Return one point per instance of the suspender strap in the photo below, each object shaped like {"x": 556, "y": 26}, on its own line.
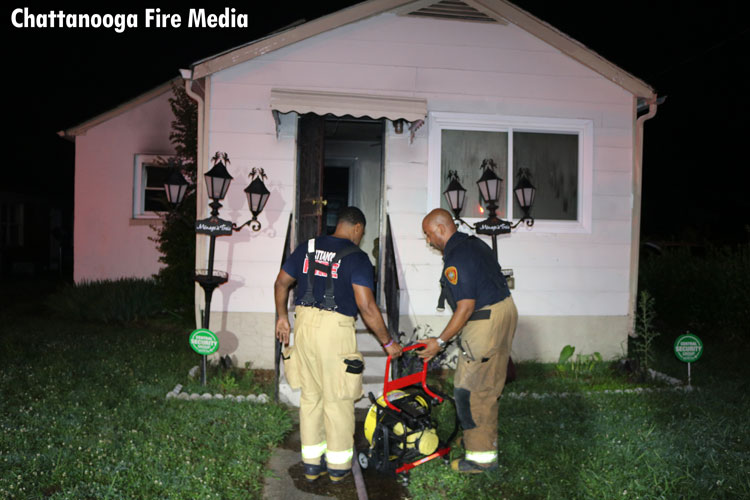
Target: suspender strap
{"x": 446, "y": 295}
{"x": 441, "y": 299}
{"x": 329, "y": 300}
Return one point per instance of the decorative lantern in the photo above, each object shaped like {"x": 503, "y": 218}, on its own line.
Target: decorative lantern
{"x": 175, "y": 187}
{"x": 455, "y": 194}
{"x": 257, "y": 193}
{"x": 525, "y": 192}
{"x": 489, "y": 184}
{"x": 218, "y": 178}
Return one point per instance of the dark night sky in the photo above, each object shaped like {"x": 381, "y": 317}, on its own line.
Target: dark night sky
{"x": 693, "y": 53}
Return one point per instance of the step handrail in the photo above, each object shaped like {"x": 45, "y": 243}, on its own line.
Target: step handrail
{"x": 391, "y": 288}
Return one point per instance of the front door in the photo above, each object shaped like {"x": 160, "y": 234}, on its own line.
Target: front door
{"x": 340, "y": 164}
{"x": 311, "y": 154}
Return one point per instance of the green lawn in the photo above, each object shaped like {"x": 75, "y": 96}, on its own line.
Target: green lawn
{"x": 660, "y": 443}
{"x": 83, "y": 414}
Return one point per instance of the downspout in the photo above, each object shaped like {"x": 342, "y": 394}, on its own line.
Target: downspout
{"x": 187, "y": 75}
{"x": 637, "y": 195}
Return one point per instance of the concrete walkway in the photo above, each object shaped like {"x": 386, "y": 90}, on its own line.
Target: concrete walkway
{"x": 286, "y": 480}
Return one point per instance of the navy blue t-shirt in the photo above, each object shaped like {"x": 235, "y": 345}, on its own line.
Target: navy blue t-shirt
{"x": 355, "y": 269}
{"x": 471, "y": 271}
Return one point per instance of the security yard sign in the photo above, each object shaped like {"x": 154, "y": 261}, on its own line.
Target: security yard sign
{"x": 688, "y": 348}
{"x": 204, "y": 341}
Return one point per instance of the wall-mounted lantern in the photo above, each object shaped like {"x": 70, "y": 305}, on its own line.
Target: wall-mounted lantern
{"x": 490, "y": 185}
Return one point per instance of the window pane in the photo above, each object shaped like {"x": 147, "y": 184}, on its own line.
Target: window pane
{"x": 155, "y": 200}
{"x": 464, "y": 151}
{"x": 156, "y": 176}
{"x": 552, "y": 160}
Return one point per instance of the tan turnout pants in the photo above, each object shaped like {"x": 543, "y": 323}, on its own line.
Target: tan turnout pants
{"x": 323, "y": 341}
{"x": 480, "y": 378}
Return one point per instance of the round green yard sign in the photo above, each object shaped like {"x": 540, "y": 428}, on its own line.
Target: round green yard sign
{"x": 204, "y": 341}
{"x": 688, "y": 348}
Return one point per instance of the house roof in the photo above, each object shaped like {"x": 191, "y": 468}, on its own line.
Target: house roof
{"x": 82, "y": 128}
{"x": 500, "y": 11}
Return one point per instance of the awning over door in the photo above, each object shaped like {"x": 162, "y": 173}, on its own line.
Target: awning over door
{"x": 338, "y": 103}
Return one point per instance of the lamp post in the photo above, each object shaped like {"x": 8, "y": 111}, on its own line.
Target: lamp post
{"x": 217, "y": 184}
{"x": 489, "y": 185}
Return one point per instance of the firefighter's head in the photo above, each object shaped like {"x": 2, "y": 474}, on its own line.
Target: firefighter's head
{"x": 351, "y": 224}
{"x": 438, "y": 227}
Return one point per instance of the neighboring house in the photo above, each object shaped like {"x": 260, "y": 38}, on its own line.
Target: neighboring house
{"x": 32, "y": 236}
{"x": 119, "y": 187}
{"x": 488, "y": 80}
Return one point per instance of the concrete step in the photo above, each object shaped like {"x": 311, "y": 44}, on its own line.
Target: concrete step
{"x": 375, "y": 362}
{"x": 367, "y": 341}
{"x": 370, "y": 384}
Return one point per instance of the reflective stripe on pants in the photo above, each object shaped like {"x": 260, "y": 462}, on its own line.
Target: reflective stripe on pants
{"x": 481, "y": 457}
{"x": 313, "y": 452}
{"x": 340, "y": 459}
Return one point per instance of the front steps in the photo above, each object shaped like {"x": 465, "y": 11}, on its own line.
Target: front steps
{"x": 374, "y": 357}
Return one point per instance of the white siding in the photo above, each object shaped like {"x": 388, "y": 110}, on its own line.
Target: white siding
{"x": 457, "y": 67}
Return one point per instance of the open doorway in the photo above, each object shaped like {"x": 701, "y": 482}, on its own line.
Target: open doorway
{"x": 341, "y": 164}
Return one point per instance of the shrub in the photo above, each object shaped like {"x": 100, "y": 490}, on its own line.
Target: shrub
{"x": 108, "y": 301}
{"x": 642, "y": 347}
{"x": 175, "y": 237}
{"x": 582, "y": 365}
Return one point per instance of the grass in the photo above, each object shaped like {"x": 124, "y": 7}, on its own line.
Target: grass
{"x": 595, "y": 444}
{"x": 83, "y": 414}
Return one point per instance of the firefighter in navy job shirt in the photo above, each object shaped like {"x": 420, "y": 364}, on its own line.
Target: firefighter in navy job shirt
{"x": 324, "y": 360}
{"x": 485, "y": 316}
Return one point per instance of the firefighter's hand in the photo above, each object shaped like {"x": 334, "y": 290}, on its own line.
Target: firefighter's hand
{"x": 283, "y": 328}
{"x": 430, "y": 350}
{"x": 394, "y": 350}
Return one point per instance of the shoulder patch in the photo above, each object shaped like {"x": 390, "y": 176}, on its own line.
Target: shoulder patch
{"x": 451, "y": 274}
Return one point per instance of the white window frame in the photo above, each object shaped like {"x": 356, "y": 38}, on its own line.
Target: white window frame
{"x": 439, "y": 121}
{"x": 139, "y": 184}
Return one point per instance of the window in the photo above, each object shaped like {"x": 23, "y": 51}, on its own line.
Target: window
{"x": 11, "y": 224}
{"x": 557, "y": 153}
{"x": 149, "y": 197}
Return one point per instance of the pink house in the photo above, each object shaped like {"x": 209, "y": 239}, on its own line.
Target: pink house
{"x": 119, "y": 186}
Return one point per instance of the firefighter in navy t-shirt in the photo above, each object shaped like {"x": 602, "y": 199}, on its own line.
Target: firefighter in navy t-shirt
{"x": 485, "y": 316}
{"x": 334, "y": 279}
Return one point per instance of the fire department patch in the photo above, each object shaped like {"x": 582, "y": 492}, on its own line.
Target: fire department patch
{"x": 452, "y": 275}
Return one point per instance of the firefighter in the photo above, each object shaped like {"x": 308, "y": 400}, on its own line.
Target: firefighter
{"x": 334, "y": 279}
{"x": 485, "y": 317}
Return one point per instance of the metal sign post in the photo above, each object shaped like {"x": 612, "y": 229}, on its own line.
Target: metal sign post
{"x": 688, "y": 348}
